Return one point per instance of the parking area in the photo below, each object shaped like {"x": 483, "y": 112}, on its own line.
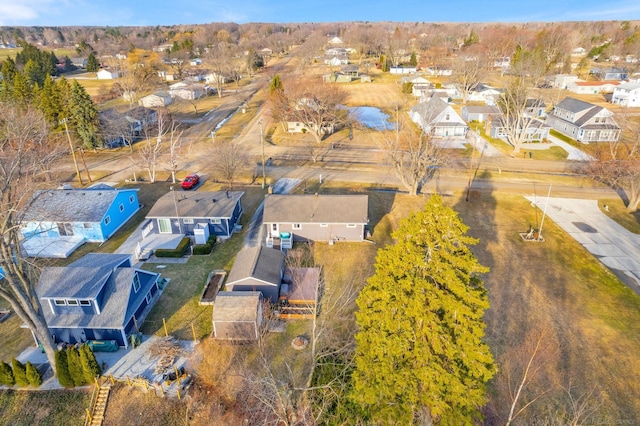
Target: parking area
{"x": 617, "y": 248}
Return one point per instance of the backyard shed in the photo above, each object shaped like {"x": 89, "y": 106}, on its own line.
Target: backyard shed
{"x": 237, "y": 315}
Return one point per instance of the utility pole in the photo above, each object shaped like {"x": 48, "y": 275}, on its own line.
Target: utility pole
{"x": 264, "y": 175}
{"x": 73, "y": 153}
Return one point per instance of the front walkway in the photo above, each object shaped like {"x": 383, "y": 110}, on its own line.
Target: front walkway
{"x": 574, "y": 153}
{"x": 617, "y": 248}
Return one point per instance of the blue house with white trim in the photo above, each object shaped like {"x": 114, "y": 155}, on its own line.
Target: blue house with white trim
{"x": 98, "y": 297}
{"x": 57, "y": 221}
{"x": 187, "y": 212}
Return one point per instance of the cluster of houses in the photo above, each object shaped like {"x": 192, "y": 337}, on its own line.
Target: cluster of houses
{"x": 577, "y": 119}
{"x": 106, "y": 296}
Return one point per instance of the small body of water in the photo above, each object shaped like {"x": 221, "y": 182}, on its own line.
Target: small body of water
{"x": 372, "y": 117}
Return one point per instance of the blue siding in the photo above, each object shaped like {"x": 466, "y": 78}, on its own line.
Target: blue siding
{"x": 118, "y": 218}
{"x": 80, "y": 335}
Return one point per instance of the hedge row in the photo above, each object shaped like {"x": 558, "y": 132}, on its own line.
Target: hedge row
{"x": 205, "y": 248}
{"x": 76, "y": 367}
{"x": 177, "y": 252}
{"x": 19, "y": 374}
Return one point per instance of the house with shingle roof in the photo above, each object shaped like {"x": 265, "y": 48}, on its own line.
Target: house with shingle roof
{"x": 186, "y": 212}
{"x": 479, "y": 113}
{"x": 56, "y": 221}
{"x": 583, "y": 121}
{"x": 257, "y": 269}
{"x": 319, "y": 217}
{"x": 593, "y": 87}
{"x": 98, "y": 297}
{"x": 438, "y": 119}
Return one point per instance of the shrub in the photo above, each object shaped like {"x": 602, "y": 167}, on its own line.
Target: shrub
{"x": 62, "y": 369}
{"x": 177, "y": 252}
{"x": 19, "y": 373}
{"x": 90, "y": 366}
{"x": 33, "y": 375}
{"x": 6, "y": 374}
{"x": 75, "y": 367}
{"x": 205, "y": 248}
{"x": 407, "y": 87}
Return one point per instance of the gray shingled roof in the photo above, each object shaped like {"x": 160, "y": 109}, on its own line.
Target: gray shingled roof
{"x": 196, "y": 204}
{"x": 70, "y": 205}
{"x": 236, "y": 306}
{"x": 483, "y": 109}
{"x": 316, "y": 208}
{"x": 575, "y": 105}
{"x": 80, "y": 280}
{"x": 262, "y": 263}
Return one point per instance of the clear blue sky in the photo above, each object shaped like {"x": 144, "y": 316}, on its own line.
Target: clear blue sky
{"x": 165, "y": 12}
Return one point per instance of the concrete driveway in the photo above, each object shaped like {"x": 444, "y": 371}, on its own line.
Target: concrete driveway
{"x": 617, "y": 248}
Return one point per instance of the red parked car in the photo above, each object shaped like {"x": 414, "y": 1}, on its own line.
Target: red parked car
{"x": 190, "y": 181}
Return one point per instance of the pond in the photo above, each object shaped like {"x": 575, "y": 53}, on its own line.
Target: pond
{"x": 371, "y": 117}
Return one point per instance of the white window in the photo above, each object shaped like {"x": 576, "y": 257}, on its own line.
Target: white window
{"x": 147, "y": 298}
{"x": 72, "y": 302}
{"x": 215, "y": 221}
{"x": 59, "y": 302}
{"x": 107, "y": 220}
{"x": 324, "y": 225}
{"x": 131, "y": 199}
{"x": 136, "y": 283}
{"x": 85, "y": 303}
{"x": 297, "y": 226}
{"x": 164, "y": 226}
{"x": 121, "y": 207}
{"x": 187, "y": 220}
{"x": 351, "y": 225}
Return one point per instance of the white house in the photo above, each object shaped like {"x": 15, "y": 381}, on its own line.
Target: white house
{"x": 335, "y": 40}
{"x": 158, "y": 99}
{"x": 583, "y": 121}
{"x": 439, "y": 70}
{"x": 188, "y": 91}
{"x": 592, "y": 87}
{"x": 627, "y": 94}
{"x": 107, "y": 75}
{"x": 438, "y": 118}
{"x": 419, "y": 84}
{"x": 578, "y": 51}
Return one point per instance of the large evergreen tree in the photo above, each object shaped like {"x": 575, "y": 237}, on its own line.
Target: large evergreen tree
{"x": 6, "y": 374}
{"x": 84, "y": 116}
{"x": 75, "y": 367}
{"x": 33, "y": 375}
{"x": 419, "y": 349}
{"x": 93, "y": 65}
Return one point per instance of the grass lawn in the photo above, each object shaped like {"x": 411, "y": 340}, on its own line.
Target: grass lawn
{"x": 178, "y": 304}
{"x": 554, "y": 153}
{"x": 60, "y": 407}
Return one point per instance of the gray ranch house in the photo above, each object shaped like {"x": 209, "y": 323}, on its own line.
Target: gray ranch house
{"x": 196, "y": 213}
{"x": 98, "y": 297}
{"x": 329, "y": 218}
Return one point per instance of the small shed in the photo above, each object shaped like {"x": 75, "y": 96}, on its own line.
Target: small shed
{"x": 237, "y": 315}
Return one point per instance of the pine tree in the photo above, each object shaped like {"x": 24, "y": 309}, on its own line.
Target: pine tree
{"x": 84, "y": 116}
{"x": 48, "y": 101}
{"x": 33, "y": 375}
{"x": 419, "y": 349}
{"x": 75, "y": 367}
{"x": 62, "y": 369}
{"x": 19, "y": 373}
{"x": 6, "y": 374}
{"x": 414, "y": 60}
{"x": 21, "y": 93}
{"x": 92, "y": 63}
{"x": 90, "y": 367}
{"x": 276, "y": 85}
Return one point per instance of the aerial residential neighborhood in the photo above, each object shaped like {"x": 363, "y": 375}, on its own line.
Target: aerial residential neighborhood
{"x": 358, "y": 222}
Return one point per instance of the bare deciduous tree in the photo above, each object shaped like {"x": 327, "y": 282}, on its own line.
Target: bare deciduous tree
{"x": 468, "y": 72}
{"x": 516, "y": 122}
{"x": 618, "y": 162}
{"x": 413, "y": 157}
{"x": 228, "y": 158}
{"x": 25, "y": 156}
